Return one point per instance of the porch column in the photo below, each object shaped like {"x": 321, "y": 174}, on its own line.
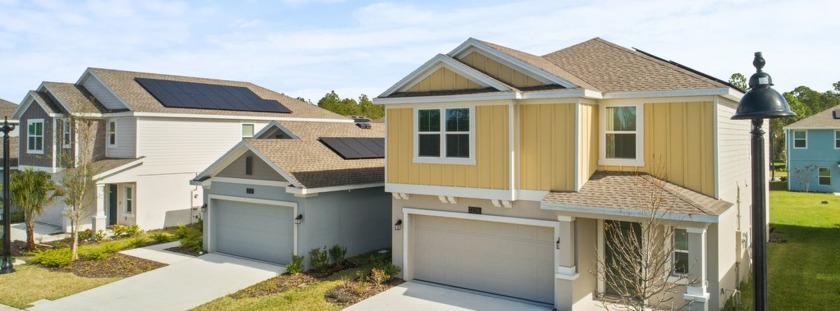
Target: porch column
{"x": 697, "y": 295}
{"x": 565, "y": 260}
{"x": 99, "y": 217}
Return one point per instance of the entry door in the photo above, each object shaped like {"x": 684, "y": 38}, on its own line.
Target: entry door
{"x": 112, "y": 204}
{"x": 619, "y": 273}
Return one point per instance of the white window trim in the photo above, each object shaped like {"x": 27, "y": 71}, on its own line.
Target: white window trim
{"x": 675, "y": 250}
{"x": 793, "y": 133}
{"x": 836, "y": 139}
{"x": 442, "y": 159}
{"x": 819, "y": 176}
{"x": 640, "y": 136}
{"x": 108, "y": 133}
{"x": 133, "y": 201}
{"x": 253, "y": 129}
{"x": 66, "y": 134}
{"x": 28, "y": 135}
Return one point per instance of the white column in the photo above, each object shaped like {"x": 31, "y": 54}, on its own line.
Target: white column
{"x": 564, "y": 258}
{"x": 697, "y": 293}
{"x": 99, "y": 218}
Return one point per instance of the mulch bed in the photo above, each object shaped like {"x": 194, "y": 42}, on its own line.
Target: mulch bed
{"x": 353, "y": 291}
{"x": 116, "y": 265}
{"x": 275, "y": 285}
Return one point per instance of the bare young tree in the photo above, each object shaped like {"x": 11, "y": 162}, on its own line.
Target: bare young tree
{"x": 804, "y": 174}
{"x": 76, "y": 184}
{"x": 639, "y": 268}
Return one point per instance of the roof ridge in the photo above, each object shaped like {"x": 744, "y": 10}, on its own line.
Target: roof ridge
{"x": 134, "y": 72}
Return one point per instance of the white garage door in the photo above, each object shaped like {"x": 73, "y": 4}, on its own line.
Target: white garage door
{"x": 500, "y": 258}
{"x": 262, "y": 232}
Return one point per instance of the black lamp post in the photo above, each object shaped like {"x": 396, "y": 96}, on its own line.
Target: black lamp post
{"x": 760, "y": 102}
{"x": 6, "y": 260}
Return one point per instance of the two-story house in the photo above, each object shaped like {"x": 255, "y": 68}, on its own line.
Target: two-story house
{"x": 150, "y": 134}
{"x": 505, "y": 167}
{"x": 813, "y": 152}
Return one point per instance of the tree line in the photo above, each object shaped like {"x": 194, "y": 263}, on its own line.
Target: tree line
{"x": 803, "y": 100}
{"x": 364, "y": 107}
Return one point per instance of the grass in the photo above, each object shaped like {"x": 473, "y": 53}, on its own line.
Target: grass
{"x": 30, "y": 283}
{"x": 803, "y": 272}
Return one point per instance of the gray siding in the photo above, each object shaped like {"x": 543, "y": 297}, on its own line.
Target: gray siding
{"x": 261, "y": 170}
{"x": 102, "y": 93}
{"x": 34, "y": 111}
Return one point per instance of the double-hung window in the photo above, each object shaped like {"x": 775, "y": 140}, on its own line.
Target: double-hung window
{"x": 622, "y": 142}
{"x": 247, "y": 130}
{"x": 445, "y": 135}
{"x": 800, "y": 139}
{"x": 35, "y": 136}
{"x": 112, "y": 133}
{"x": 680, "y": 251}
{"x": 836, "y": 139}
{"x": 825, "y": 176}
{"x": 66, "y": 130}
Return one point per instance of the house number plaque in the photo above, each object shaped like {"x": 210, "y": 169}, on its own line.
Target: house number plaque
{"x": 474, "y": 210}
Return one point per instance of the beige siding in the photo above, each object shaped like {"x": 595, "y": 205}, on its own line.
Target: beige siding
{"x": 588, "y": 142}
{"x": 490, "y": 170}
{"x": 547, "y": 144}
{"x": 261, "y": 170}
{"x": 443, "y": 79}
{"x": 679, "y": 144}
{"x": 499, "y": 71}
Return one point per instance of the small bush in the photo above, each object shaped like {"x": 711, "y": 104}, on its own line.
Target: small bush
{"x": 119, "y": 230}
{"x": 85, "y": 235}
{"x": 337, "y": 254}
{"x": 161, "y": 237}
{"x": 138, "y": 242}
{"x": 133, "y": 230}
{"x": 97, "y": 253}
{"x": 57, "y": 257}
{"x": 383, "y": 262}
{"x": 191, "y": 237}
{"x": 296, "y": 266}
{"x": 99, "y": 235}
{"x": 319, "y": 259}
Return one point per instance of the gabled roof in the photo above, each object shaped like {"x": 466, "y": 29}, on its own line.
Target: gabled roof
{"x": 445, "y": 61}
{"x": 823, "y": 119}
{"x": 123, "y": 84}
{"x": 626, "y": 193}
{"x": 613, "y": 68}
{"x": 13, "y": 152}
{"x": 274, "y": 125}
{"x": 7, "y": 108}
{"x": 73, "y": 98}
{"x": 306, "y": 162}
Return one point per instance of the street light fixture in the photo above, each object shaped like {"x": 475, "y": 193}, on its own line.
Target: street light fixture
{"x": 6, "y": 259}
{"x": 760, "y": 102}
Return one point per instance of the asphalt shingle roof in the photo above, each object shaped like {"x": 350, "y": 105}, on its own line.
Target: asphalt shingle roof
{"x": 637, "y": 191}
{"x": 314, "y": 165}
{"x": 77, "y": 99}
{"x": 7, "y": 108}
{"x": 822, "y": 119}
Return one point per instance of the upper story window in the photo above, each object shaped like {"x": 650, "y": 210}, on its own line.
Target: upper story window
{"x": 35, "y": 136}
{"x": 836, "y": 139}
{"x": 66, "y": 130}
{"x": 622, "y": 143}
{"x": 445, "y": 135}
{"x": 249, "y": 165}
{"x": 112, "y": 133}
{"x": 800, "y": 139}
{"x": 247, "y": 130}
{"x": 680, "y": 251}
{"x": 825, "y": 176}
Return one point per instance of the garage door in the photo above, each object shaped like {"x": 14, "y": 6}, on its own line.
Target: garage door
{"x": 500, "y": 258}
{"x": 262, "y": 232}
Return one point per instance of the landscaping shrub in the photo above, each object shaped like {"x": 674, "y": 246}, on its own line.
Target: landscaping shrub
{"x": 191, "y": 237}
{"x": 119, "y": 230}
{"x": 379, "y": 276}
{"x": 296, "y": 266}
{"x": 337, "y": 254}
{"x": 138, "y": 242}
{"x": 319, "y": 259}
{"x": 57, "y": 257}
{"x": 133, "y": 230}
{"x": 161, "y": 237}
{"x": 85, "y": 235}
{"x": 99, "y": 235}
{"x": 383, "y": 262}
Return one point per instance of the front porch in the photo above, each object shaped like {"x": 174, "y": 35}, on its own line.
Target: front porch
{"x": 115, "y": 204}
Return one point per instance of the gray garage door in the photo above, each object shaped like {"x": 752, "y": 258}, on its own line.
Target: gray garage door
{"x": 262, "y": 232}
{"x": 500, "y": 258}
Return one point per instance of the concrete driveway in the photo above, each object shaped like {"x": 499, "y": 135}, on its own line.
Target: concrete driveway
{"x": 414, "y": 296}
{"x": 185, "y": 283}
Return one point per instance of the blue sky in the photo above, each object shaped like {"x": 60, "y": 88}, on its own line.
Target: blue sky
{"x": 309, "y": 47}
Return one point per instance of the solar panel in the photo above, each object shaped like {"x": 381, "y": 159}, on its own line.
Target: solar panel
{"x": 351, "y": 148}
{"x": 180, "y": 94}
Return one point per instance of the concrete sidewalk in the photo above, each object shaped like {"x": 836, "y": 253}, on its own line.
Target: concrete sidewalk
{"x": 42, "y": 232}
{"x": 185, "y": 283}
{"x": 413, "y": 296}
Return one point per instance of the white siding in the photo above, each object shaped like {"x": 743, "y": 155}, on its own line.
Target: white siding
{"x": 126, "y": 146}
{"x": 101, "y": 92}
{"x": 733, "y": 155}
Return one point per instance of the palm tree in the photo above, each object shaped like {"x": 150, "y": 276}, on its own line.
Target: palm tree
{"x": 31, "y": 190}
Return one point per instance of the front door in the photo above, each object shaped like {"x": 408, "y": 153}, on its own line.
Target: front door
{"x": 620, "y": 246}
{"x": 112, "y": 204}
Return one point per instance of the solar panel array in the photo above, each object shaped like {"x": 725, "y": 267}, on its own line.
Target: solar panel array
{"x": 180, "y": 94}
{"x": 352, "y": 148}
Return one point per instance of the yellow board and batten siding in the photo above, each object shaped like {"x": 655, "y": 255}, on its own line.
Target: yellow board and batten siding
{"x": 589, "y": 142}
{"x": 547, "y": 147}
{"x": 679, "y": 145}
{"x": 499, "y": 71}
{"x": 443, "y": 79}
{"x": 491, "y": 169}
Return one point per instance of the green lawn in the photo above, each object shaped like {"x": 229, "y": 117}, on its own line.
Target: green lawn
{"x": 30, "y": 283}
{"x": 804, "y": 272}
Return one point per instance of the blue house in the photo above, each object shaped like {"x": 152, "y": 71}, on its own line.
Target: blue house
{"x": 813, "y": 152}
